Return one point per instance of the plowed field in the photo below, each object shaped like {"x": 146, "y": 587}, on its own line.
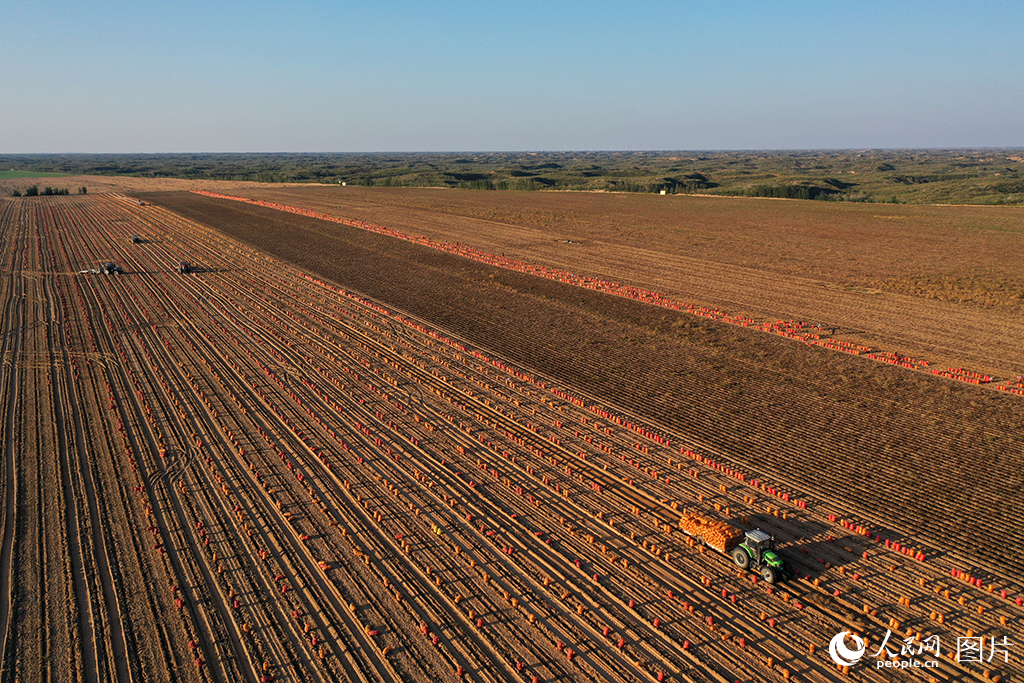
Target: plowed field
{"x": 942, "y": 282}
{"x": 330, "y": 455}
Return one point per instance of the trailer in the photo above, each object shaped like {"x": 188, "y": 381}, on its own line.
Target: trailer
{"x": 751, "y": 550}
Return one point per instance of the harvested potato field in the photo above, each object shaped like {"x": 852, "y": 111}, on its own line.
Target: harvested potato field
{"x": 850, "y": 424}
{"x": 265, "y": 471}
{"x": 940, "y": 282}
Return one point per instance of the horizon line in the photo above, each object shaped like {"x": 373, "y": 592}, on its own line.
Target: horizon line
{"x": 553, "y": 151}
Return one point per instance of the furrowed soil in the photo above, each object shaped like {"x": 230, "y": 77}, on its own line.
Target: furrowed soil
{"x": 944, "y": 283}
{"x": 255, "y": 472}
{"x": 939, "y": 461}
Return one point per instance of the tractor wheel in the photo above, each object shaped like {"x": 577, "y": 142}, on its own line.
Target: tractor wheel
{"x": 768, "y": 575}
{"x": 741, "y": 558}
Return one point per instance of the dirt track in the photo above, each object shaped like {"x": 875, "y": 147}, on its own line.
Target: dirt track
{"x": 254, "y": 465}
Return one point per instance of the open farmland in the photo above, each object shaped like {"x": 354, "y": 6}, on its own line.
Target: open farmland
{"x": 939, "y": 282}
{"x": 391, "y": 464}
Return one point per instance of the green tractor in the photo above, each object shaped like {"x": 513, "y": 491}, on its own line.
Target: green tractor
{"x": 757, "y": 553}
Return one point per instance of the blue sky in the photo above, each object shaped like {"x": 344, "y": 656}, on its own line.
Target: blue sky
{"x": 308, "y": 76}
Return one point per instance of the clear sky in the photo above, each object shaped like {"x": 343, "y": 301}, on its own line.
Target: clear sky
{"x": 561, "y": 75}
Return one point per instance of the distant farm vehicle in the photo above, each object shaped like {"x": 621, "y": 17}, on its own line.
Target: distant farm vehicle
{"x": 104, "y": 269}
{"x": 754, "y": 550}
{"x": 136, "y": 239}
{"x": 184, "y": 267}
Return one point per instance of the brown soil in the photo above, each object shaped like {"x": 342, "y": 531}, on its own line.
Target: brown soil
{"x": 245, "y": 474}
{"x": 944, "y": 283}
{"x": 875, "y": 437}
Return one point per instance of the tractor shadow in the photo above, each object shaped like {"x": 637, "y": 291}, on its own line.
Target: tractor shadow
{"x": 817, "y": 557}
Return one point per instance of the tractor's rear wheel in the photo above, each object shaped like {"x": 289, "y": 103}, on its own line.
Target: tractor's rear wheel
{"x": 741, "y": 558}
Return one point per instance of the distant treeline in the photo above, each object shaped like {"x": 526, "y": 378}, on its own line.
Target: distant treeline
{"x": 980, "y": 176}
{"x": 791, "y": 192}
{"x": 34, "y": 191}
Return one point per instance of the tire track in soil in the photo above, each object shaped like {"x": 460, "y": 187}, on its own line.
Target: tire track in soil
{"x": 206, "y": 645}
{"x": 360, "y": 389}
{"x": 84, "y": 332}
{"x": 312, "y": 571}
{"x": 172, "y": 488}
{"x": 71, "y": 417}
{"x": 414, "y": 571}
{"x": 12, "y": 338}
{"x": 252, "y": 510}
{"x": 158, "y": 513}
{"x": 776, "y": 417}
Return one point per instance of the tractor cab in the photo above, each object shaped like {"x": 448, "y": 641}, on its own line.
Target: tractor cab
{"x": 760, "y": 545}
{"x": 757, "y": 553}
